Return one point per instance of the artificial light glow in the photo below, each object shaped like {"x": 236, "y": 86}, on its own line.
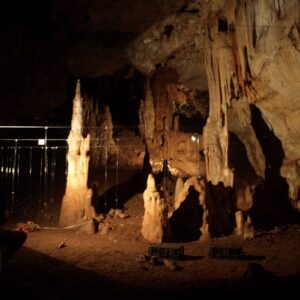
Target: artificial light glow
{"x": 194, "y": 138}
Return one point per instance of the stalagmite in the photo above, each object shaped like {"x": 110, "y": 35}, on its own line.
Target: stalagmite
{"x": 155, "y": 228}
{"x": 291, "y": 171}
{"x": 249, "y": 232}
{"x": 239, "y": 223}
{"x": 76, "y": 205}
{"x": 147, "y": 115}
{"x": 98, "y": 123}
{"x": 244, "y": 202}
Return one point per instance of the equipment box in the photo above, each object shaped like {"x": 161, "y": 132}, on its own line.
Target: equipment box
{"x": 172, "y": 253}
{"x": 229, "y": 252}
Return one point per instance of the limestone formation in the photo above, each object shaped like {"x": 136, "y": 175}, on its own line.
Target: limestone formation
{"x": 291, "y": 171}
{"x": 155, "y": 227}
{"x": 98, "y": 123}
{"x": 222, "y": 87}
{"x": 147, "y": 115}
{"x": 244, "y": 201}
{"x": 239, "y": 223}
{"x": 181, "y": 193}
{"x": 76, "y": 204}
{"x": 176, "y": 36}
{"x": 160, "y": 127}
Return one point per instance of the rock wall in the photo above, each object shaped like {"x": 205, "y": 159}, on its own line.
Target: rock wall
{"x": 267, "y": 52}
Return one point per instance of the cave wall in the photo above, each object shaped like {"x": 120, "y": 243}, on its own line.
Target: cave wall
{"x": 264, "y": 37}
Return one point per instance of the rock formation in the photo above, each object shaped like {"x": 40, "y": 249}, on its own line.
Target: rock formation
{"x": 244, "y": 202}
{"x": 181, "y": 193}
{"x": 160, "y": 126}
{"x": 98, "y": 123}
{"x": 155, "y": 227}
{"x": 76, "y": 204}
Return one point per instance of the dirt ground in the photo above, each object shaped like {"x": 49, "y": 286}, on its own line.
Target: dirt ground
{"x": 113, "y": 264}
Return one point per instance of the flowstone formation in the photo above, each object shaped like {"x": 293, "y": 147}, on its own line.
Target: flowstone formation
{"x": 155, "y": 227}
{"x": 76, "y": 205}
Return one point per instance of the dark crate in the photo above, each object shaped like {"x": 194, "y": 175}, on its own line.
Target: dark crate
{"x": 233, "y": 252}
{"x": 173, "y": 253}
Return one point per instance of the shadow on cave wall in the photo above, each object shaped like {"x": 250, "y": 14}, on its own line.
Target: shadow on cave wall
{"x": 220, "y": 204}
{"x": 187, "y": 219}
{"x": 238, "y": 158}
{"x": 271, "y": 201}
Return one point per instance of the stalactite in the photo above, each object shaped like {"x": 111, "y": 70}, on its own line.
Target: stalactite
{"x": 220, "y": 68}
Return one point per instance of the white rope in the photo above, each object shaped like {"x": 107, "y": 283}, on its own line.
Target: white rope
{"x": 67, "y": 227}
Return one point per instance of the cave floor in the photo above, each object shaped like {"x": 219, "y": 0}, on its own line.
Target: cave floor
{"x": 112, "y": 265}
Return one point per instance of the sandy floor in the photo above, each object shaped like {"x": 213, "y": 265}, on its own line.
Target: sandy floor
{"x": 113, "y": 265}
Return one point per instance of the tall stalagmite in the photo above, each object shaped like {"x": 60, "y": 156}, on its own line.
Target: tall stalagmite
{"x": 76, "y": 204}
{"x": 155, "y": 228}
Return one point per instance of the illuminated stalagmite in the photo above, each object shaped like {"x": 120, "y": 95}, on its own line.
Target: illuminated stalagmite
{"x": 244, "y": 202}
{"x": 76, "y": 204}
{"x": 155, "y": 226}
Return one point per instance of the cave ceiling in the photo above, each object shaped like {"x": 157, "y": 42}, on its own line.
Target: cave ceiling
{"x": 45, "y": 43}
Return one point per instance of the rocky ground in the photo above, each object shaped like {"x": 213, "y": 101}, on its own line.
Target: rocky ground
{"x": 114, "y": 264}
